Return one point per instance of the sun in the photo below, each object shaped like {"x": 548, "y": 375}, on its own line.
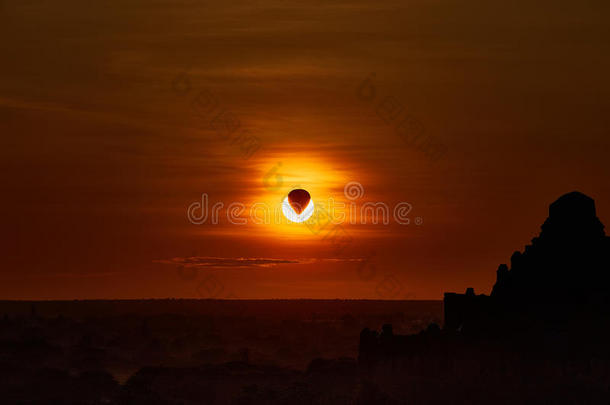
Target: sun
{"x": 287, "y": 172}
{"x": 292, "y": 215}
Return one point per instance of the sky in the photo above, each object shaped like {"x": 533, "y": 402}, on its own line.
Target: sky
{"x": 117, "y": 116}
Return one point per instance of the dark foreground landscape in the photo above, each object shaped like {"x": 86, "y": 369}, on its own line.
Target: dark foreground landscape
{"x": 192, "y": 351}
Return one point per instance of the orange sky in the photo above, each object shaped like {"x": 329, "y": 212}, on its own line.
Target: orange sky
{"x": 108, "y": 136}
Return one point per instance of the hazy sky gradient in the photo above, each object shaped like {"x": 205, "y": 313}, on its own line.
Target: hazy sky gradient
{"x": 101, "y": 156}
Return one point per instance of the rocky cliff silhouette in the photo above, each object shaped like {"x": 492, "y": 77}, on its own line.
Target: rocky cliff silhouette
{"x": 569, "y": 260}
{"x": 539, "y": 337}
{"x": 562, "y": 277}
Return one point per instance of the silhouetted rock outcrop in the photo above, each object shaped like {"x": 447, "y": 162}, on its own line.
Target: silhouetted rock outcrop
{"x": 561, "y": 277}
{"x": 546, "y": 323}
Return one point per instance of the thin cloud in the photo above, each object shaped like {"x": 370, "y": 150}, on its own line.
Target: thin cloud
{"x": 210, "y": 262}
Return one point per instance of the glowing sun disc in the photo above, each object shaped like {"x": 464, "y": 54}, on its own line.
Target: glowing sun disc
{"x": 291, "y": 214}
